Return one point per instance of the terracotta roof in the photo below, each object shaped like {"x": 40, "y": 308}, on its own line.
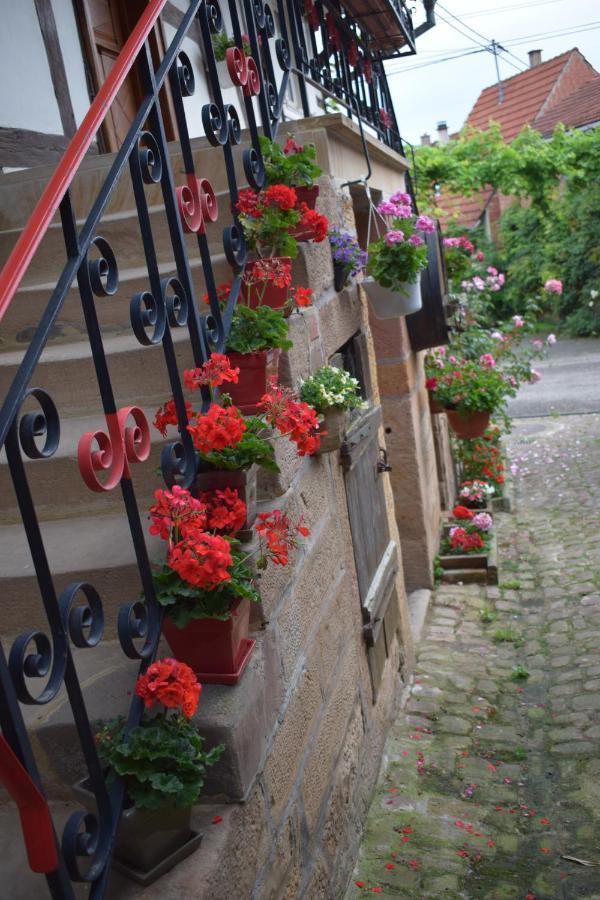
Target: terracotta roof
{"x": 582, "y": 107}
{"x": 465, "y": 211}
{"x": 524, "y": 96}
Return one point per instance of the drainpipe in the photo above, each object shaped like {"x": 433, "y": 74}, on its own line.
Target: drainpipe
{"x": 429, "y": 20}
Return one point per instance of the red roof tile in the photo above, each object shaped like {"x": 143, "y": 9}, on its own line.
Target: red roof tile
{"x": 524, "y": 96}
{"x": 465, "y": 211}
{"x": 582, "y": 107}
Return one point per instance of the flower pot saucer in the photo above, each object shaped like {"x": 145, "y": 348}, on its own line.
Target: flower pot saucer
{"x": 230, "y": 677}
{"x": 147, "y": 876}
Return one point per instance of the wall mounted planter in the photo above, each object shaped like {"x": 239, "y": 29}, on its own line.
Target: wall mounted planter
{"x": 341, "y": 273}
{"x": 389, "y": 304}
{"x": 334, "y": 424}
{"x": 307, "y": 195}
{"x": 217, "y": 651}
{"x": 149, "y": 842}
{"x": 241, "y": 480}
{"x": 264, "y": 293}
{"x": 466, "y": 427}
{"x": 256, "y": 369}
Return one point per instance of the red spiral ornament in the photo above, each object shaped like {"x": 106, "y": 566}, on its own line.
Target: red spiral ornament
{"x": 197, "y": 204}
{"x": 115, "y": 451}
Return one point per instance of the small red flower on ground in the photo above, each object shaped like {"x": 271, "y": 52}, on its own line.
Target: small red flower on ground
{"x": 217, "y": 820}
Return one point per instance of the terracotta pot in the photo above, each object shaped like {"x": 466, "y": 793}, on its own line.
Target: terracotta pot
{"x": 388, "y": 304}
{"x": 255, "y": 371}
{"x": 307, "y": 195}
{"x": 469, "y": 426}
{"x": 149, "y": 842}
{"x": 264, "y": 293}
{"x": 435, "y": 408}
{"x": 217, "y": 651}
{"x": 334, "y": 423}
{"x": 241, "y": 480}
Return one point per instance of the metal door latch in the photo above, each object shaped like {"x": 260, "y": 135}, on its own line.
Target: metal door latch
{"x": 382, "y": 462}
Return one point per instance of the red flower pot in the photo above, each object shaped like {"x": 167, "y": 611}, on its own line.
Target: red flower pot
{"x": 241, "y": 480}
{"x": 217, "y": 651}
{"x": 307, "y": 195}
{"x": 255, "y": 371}
{"x": 470, "y": 426}
{"x": 434, "y": 407}
{"x": 265, "y": 292}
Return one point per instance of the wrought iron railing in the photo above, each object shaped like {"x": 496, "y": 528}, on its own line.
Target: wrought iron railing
{"x": 326, "y": 51}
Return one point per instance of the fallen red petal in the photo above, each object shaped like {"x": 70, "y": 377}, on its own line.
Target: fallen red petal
{"x": 390, "y": 866}
{"x": 544, "y": 821}
{"x": 217, "y": 819}
{"x": 360, "y": 884}
{"x": 407, "y": 830}
{"x": 545, "y": 849}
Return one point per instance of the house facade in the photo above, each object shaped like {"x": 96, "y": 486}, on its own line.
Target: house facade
{"x": 123, "y": 148}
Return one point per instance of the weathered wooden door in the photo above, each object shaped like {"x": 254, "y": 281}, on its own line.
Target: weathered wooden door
{"x": 375, "y": 554}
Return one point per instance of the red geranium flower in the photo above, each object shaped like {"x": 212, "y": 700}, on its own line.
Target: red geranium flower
{"x": 202, "y": 560}
{"x": 217, "y": 429}
{"x": 214, "y": 372}
{"x": 312, "y": 225}
{"x": 461, "y": 512}
{"x": 279, "y": 195}
{"x": 171, "y": 683}
{"x": 222, "y": 292}
{"x": 303, "y": 296}
{"x": 280, "y": 534}
{"x": 224, "y": 510}
{"x": 292, "y": 146}
{"x": 292, "y": 417}
{"x": 167, "y": 415}
{"x": 176, "y": 510}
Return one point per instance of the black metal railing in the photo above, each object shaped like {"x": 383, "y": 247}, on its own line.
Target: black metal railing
{"x": 325, "y": 50}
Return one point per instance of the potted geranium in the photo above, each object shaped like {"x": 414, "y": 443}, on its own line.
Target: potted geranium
{"x": 470, "y": 391}
{"x": 458, "y": 252}
{"x": 221, "y": 44}
{"x": 208, "y": 582}
{"x": 268, "y": 282}
{"x": 332, "y": 392}
{"x": 349, "y": 259}
{"x": 434, "y": 361}
{"x": 476, "y": 493}
{"x": 163, "y": 765}
{"x": 397, "y": 258}
{"x": 294, "y": 165}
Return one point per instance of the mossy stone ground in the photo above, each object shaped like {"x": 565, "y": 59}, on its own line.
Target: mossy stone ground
{"x": 490, "y": 780}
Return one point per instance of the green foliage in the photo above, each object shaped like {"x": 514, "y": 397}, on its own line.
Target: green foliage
{"x": 257, "y": 329}
{"x": 222, "y": 42}
{"x": 184, "y": 602}
{"x": 512, "y": 585}
{"x": 519, "y": 673}
{"x": 479, "y": 389}
{"x": 507, "y": 636}
{"x": 297, "y": 169}
{"x": 438, "y": 570}
{"x": 331, "y": 387}
{"x": 161, "y": 760}
{"x": 396, "y": 265}
{"x": 269, "y": 235}
{"x": 487, "y": 615}
{"x": 253, "y": 448}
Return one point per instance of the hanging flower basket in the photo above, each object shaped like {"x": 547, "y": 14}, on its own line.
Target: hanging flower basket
{"x": 333, "y": 428}
{"x": 307, "y": 195}
{"x": 388, "y": 304}
{"x": 241, "y": 480}
{"x": 472, "y": 425}
{"x": 265, "y": 291}
{"x": 217, "y": 651}
{"x": 256, "y": 371}
{"x": 149, "y": 842}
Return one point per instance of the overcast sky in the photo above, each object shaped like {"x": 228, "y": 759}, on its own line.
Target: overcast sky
{"x": 447, "y": 90}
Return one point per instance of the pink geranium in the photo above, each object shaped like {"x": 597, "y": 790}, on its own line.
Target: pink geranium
{"x": 401, "y": 197}
{"x": 424, "y": 223}
{"x": 487, "y": 361}
{"x": 553, "y": 286}
{"x": 519, "y": 321}
{"x": 394, "y": 237}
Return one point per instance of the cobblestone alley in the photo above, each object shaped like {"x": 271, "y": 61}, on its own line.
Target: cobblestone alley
{"x": 491, "y": 785}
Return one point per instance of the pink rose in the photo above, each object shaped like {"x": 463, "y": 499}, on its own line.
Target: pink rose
{"x": 553, "y": 286}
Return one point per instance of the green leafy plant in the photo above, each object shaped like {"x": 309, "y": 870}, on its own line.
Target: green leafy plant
{"x": 185, "y": 602}
{"x": 438, "y": 570}
{"x": 161, "y": 760}
{"x": 519, "y": 673}
{"x": 487, "y": 615}
{"x": 222, "y": 42}
{"x": 471, "y": 387}
{"x": 519, "y": 754}
{"x": 331, "y": 387}
{"x": 508, "y": 636}
{"x": 512, "y": 584}
{"x": 257, "y": 329}
{"x": 252, "y": 448}
{"x": 294, "y": 164}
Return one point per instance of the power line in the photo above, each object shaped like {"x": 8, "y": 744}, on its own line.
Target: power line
{"x": 433, "y": 62}
{"x": 492, "y": 47}
{"x": 479, "y": 34}
{"x": 513, "y": 8}
{"x": 548, "y": 35}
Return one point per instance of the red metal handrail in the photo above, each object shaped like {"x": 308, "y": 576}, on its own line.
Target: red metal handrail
{"x": 39, "y": 222}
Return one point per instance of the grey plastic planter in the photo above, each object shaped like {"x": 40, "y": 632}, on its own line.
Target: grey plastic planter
{"x": 388, "y": 304}
{"x": 334, "y": 423}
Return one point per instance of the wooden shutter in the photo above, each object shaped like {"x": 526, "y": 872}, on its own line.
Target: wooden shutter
{"x": 428, "y": 327}
{"x": 375, "y": 554}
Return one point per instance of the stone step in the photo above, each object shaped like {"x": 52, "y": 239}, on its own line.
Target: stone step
{"x": 66, "y": 371}
{"x": 97, "y": 549}
{"x": 29, "y": 304}
{"x": 59, "y": 491}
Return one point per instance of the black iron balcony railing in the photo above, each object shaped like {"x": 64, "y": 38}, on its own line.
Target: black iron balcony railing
{"x": 326, "y": 47}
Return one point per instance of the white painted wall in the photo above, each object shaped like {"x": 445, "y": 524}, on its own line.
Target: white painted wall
{"x": 72, "y": 53}
{"x": 26, "y": 94}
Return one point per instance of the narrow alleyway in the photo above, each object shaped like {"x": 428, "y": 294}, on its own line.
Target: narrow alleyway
{"x": 491, "y": 787}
